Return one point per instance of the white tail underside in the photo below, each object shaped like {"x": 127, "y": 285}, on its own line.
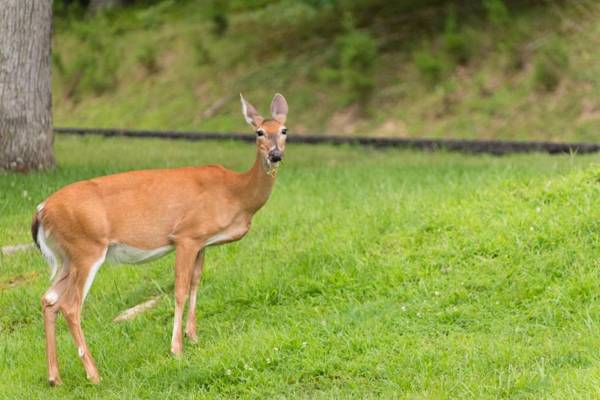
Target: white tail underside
{"x": 48, "y": 253}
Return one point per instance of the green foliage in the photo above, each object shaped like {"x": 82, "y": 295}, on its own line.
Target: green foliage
{"x": 201, "y": 52}
{"x": 302, "y": 48}
{"x": 497, "y": 12}
{"x": 356, "y": 57}
{"x": 68, "y": 9}
{"x": 282, "y": 27}
{"x": 219, "y": 17}
{"x": 152, "y": 16}
{"x": 430, "y": 66}
{"x": 147, "y": 56}
{"x": 508, "y": 37}
{"x": 368, "y": 274}
{"x": 93, "y": 66}
{"x": 456, "y": 44}
{"x": 93, "y": 70}
{"x": 551, "y": 64}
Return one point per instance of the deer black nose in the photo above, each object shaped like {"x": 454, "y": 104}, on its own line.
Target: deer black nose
{"x": 275, "y": 156}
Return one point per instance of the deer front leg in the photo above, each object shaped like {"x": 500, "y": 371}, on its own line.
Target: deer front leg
{"x": 185, "y": 255}
{"x": 190, "y": 326}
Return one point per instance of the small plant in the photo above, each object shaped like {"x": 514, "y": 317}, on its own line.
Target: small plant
{"x": 201, "y": 53}
{"x": 455, "y": 42}
{"x": 93, "y": 68}
{"x": 429, "y": 66}
{"x": 497, "y": 13}
{"x": 98, "y": 73}
{"x": 515, "y": 60}
{"x": 357, "y": 53}
{"x": 152, "y": 16}
{"x": 219, "y": 17}
{"x": 147, "y": 56}
{"x": 551, "y": 64}
{"x": 509, "y": 40}
{"x": 58, "y": 63}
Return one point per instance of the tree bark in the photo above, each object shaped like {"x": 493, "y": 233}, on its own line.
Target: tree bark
{"x": 25, "y": 85}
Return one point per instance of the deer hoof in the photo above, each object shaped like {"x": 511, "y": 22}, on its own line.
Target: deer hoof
{"x": 177, "y": 352}
{"x": 55, "y": 381}
{"x": 192, "y": 337}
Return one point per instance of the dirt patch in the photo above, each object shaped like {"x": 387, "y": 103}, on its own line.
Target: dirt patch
{"x": 395, "y": 128}
{"x": 344, "y": 121}
{"x": 17, "y": 280}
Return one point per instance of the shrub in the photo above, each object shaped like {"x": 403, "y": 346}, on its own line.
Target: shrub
{"x": 551, "y": 64}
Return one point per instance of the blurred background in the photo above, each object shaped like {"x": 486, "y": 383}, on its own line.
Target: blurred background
{"x": 411, "y": 68}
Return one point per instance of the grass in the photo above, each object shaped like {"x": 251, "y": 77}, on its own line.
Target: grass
{"x": 368, "y": 274}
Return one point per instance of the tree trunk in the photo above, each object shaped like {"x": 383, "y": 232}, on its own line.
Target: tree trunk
{"x": 25, "y": 85}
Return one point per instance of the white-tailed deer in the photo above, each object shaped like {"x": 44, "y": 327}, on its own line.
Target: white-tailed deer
{"x": 138, "y": 216}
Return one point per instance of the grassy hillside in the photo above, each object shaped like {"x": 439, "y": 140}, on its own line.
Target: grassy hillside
{"x": 476, "y": 70}
{"x": 380, "y": 274}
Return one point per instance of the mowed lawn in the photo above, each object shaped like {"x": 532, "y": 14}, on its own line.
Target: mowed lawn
{"x": 368, "y": 274}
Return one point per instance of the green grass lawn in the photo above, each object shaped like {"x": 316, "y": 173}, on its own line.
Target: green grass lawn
{"x": 390, "y": 274}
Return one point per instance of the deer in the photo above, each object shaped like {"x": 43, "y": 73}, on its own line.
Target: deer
{"x": 138, "y": 216}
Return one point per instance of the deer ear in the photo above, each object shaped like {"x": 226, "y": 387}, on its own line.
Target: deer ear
{"x": 250, "y": 114}
{"x": 279, "y": 108}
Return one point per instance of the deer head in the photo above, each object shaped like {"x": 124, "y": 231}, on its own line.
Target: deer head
{"x": 270, "y": 133}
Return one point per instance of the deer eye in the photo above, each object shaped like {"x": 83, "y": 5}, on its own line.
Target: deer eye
{"x": 284, "y": 131}
{"x": 260, "y": 133}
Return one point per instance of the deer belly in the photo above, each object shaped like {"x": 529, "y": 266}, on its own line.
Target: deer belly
{"x": 230, "y": 234}
{"x": 124, "y": 254}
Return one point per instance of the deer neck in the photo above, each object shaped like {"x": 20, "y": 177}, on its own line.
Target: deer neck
{"x": 258, "y": 184}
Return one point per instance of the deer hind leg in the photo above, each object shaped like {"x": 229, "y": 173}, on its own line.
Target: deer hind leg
{"x": 190, "y": 326}
{"x": 81, "y": 275}
{"x": 185, "y": 255}
{"x": 50, "y": 308}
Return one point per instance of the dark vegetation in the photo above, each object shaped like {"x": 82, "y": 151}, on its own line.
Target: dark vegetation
{"x": 408, "y": 68}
